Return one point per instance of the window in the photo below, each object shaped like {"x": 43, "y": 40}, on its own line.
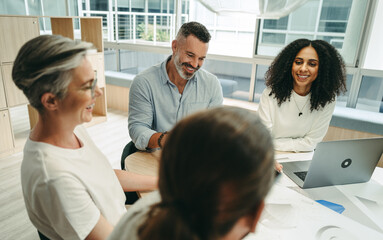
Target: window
{"x": 132, "y": 62}
{"x": 12, "y": 7}
{"x": 135, "y": 21}
{"x": 280, "y": 24}
{"x": 260, "y": 82}
{"x": 99, "y": 5}
{"x": 339, "y": 23}
{"x": 231, "y": 35}
{"x": 370, "y": 96}
{"x": 334, "y": 16}
{"x": 343, "y": 98}
{"x": 373, "y": 59}
{"x": 233, "y": 76}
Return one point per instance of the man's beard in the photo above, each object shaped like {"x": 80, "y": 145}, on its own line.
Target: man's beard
{"x": 184, "y": 74}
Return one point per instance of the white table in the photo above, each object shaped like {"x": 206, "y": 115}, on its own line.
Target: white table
{"x": 292, "y": 213}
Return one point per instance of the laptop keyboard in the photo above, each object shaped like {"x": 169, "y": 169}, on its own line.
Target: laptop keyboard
{"x": 301, "y": 175}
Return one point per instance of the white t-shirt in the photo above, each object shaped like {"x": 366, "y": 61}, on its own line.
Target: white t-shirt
{"x": 65, "y": 190}
{"x": 292, "y": 132}
{"x": 136, "y": 215}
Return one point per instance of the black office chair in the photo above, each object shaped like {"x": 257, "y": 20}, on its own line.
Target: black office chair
{"x": 128, "y": 149}
{"x": 131, "y": 197}
{"x": 42, "y": 236}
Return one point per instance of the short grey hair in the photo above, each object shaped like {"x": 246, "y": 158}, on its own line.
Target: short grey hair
{"x": 195, "y": 28}
{"x": 45, "y": 64}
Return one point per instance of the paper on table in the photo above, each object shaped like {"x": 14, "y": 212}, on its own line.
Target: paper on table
{"x": 303, "y": 156}
{"x": 368, "y": 197}
{"x": 290, "y": 215}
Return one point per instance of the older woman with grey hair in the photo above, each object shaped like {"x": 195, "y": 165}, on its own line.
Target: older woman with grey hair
{"x": 69, "y": 187}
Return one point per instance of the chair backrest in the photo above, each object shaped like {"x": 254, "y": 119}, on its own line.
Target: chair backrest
{"x": 128, "y": 149}
{"x": 42, "y": 236}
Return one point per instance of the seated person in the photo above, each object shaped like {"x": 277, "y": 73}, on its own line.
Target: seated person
{"x": 69, "y": 187}
{"x": 302, "y": 84}
{"x": 216, "y": 168}
{"x": 163, "y": 94}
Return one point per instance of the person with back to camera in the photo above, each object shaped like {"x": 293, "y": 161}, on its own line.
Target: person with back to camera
{"x": 165, "y": 93}
{"x": 207, "y": 192}
{"x": 69, "y": 187}
{"x": 302, "y": 84}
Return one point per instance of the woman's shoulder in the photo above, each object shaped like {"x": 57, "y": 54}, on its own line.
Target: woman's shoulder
{"x": 266, "y": 92}
{"x": 136, "y": 215}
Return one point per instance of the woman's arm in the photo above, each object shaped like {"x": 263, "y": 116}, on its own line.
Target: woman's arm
{"x": 101, "y": 230}
{"x": 309, "y": 141}
{"x": 136, "y": 182}
{"x": 265, "y": 109}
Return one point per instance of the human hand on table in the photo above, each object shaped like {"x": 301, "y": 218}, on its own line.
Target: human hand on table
{"x": 278, "y": 167}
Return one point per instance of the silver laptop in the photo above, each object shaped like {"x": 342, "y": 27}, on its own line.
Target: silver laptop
{"x": 337, "y": 163}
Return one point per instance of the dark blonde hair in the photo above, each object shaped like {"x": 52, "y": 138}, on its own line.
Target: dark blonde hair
{"x": 216, "y": 167}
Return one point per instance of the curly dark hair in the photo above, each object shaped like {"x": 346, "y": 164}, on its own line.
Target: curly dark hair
{"x": 330, "y": 82}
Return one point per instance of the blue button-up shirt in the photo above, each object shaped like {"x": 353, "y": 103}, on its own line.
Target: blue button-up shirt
{"x": 155, "y": 104}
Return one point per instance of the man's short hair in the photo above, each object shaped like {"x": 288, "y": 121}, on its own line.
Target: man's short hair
{"x": 195, "y": 28}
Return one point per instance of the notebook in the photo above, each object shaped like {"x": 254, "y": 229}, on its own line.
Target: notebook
{"x": 337, "y": 163}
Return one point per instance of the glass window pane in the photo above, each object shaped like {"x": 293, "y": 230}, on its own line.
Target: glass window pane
{"x": 151, "y": 26}
{"x": 134, "y": 62}
{"x": 370, "y": 95}
{"x": 337, "y": 42}
{"x": 226, "y": 31}
{"x": 138, "y": 6}
{"x": 373, "y": 58}
{"x": 185, "y": 6}
{"x": 122, "y": 5}
{"x": 342, "y": 99}
{"x": 260, "y": 81}
{"x": 73, "y": 8}
{"x": 276, "y": 24}
{"x": 340, "y": 23}
{"x": 334, "y": 16}
{"x": 154, "y": 6}
{"x": 54, "y": 8}
{"x": 110, "y": 59}
{"x": 273, "y": 38}
{"x": 125, "y": 27}
{"x": 15, "y": 7}
{"x": 234, "y": 77}
{"x": 35, "y": 8}
{"x": 304, "y": 18}
{"x": 99, "y": 5}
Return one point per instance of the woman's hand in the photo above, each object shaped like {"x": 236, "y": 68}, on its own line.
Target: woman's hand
{"x": 278, "y": 167}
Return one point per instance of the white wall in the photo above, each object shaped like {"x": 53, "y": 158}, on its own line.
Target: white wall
{"x": 374, "y": 55}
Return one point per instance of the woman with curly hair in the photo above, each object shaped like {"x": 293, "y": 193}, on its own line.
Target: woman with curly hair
{"x": 302, "y": 84}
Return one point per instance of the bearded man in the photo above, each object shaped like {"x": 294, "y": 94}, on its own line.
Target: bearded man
{"x": 165, "y": 93}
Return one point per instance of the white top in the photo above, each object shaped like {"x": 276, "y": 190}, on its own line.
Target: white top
{"x": 136, "y": 215}
{"x": 292, "y": 132}
{"x": 65, "y": 190}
